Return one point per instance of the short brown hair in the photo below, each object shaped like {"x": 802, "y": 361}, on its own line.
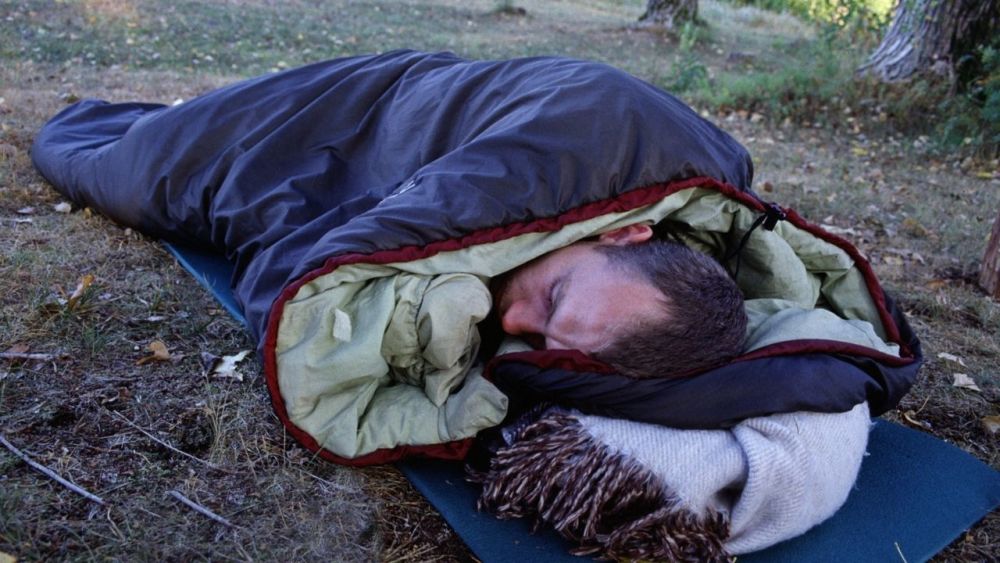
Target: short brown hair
{"x": 704, "y": 324}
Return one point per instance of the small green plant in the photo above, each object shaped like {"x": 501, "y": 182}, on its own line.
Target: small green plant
{"x": 508, "y": 8}
{"x": 974, "y": 115}
{"x": 688, "y": 73}
{"x": 93, "y": 340}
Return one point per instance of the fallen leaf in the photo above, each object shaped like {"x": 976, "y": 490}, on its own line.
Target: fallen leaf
{"x": 951, "y": 358}
{"x": 63, "y": 207}
{"x": 159, "y": 353}
{"x": 19, "y": 348}
{"x": 835, "y": 230}
{"x": 937, "y": 284}
{"x": 7, "y": 558}
{"x": 914, "y": 228}
{"x": 81, "y": 288}
{"x": 118, "y": 397}
{"x": 991, "y": 423}
{"x": 963, "y": 381}
{"x": 224, "y": 366}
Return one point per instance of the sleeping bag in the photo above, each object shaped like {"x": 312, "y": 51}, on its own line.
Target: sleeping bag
{"x": 366, "y": 203}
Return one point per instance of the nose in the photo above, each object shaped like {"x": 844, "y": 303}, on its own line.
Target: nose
{"x": 522, "y": 318}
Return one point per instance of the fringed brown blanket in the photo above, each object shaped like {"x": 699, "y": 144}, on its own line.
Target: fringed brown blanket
{"x": 605, "y": 500}
{"x": 627, "y": 491}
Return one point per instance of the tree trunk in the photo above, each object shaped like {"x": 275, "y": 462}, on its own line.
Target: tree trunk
{"x": 670, "y": 14}
{"x": 989, "y": 277}
{"x": 931, "y": 35}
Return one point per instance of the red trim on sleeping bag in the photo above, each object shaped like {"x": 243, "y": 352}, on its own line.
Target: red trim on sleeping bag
{"x": 820, "y": 346}
{"x": 569, "y": 360}
{"x": 625, "y": 202}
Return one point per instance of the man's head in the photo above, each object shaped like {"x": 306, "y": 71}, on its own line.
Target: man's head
{"x": 648, "y": 308}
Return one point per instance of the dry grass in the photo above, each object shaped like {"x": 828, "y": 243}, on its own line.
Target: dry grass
{"x": 921, "y": 218}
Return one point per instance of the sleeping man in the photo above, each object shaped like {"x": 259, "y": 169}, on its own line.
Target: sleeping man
{"x": 649, "y": 308}
{"x": 369, "y": 203}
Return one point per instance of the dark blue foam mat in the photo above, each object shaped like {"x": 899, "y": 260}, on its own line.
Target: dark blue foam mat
{"x": 914, "y": 495}
{"x": 213, "y": 272}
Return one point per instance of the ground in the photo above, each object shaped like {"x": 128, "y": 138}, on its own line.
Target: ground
{"x": 116, "y": 427}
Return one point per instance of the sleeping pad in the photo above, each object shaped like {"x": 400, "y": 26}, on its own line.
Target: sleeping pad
{"x": 366, "y": 202}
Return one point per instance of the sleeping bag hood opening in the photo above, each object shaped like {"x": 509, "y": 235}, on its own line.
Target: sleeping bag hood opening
{"x": 372, "y": 357}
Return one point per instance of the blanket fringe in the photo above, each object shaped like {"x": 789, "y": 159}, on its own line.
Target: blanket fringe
{"x": 606, "y": 501}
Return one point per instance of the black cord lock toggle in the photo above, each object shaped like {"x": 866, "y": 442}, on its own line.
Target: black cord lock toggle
{"x": 772, "y": 214}
{"x": 769, "y": 219}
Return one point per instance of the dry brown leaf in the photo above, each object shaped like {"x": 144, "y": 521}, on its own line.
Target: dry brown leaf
{"x": 937, "y": 284}
{"x": 914, "y": 228}
{"x": 991, "y": 424}
{"x": 19, "y": 348}
{"x": 963, "y": 381}
{"x": 81, "y": 287}
{"x": 160, "y": 353}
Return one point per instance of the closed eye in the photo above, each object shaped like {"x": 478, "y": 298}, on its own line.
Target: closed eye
{"x": 553, "y": 296}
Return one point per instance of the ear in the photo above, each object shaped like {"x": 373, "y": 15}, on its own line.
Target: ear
{"x": 632, "y": 234}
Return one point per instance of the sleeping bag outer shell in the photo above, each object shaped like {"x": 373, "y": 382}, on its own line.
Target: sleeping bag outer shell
{"x": 401, "y": 156}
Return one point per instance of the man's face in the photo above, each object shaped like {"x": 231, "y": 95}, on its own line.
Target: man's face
{"x": 573, "y": 298}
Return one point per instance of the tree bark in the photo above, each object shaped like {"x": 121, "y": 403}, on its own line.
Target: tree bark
{"x": 989, "y": 277}
{"x": 931, "y": 35}
{"x": 670, "y": 14}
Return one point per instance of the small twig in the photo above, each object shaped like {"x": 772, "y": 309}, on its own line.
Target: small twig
{"x": 900, "y": 551}
{"x": 25, "y": 356}
{"x": 49, "y": 473}
{"x": 168, "y": 446}
{"x": 326, "y": 482}
{"x": 201, "y": 509}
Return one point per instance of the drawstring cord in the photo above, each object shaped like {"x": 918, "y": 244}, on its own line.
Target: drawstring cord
{"x": 772, "y": 214}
